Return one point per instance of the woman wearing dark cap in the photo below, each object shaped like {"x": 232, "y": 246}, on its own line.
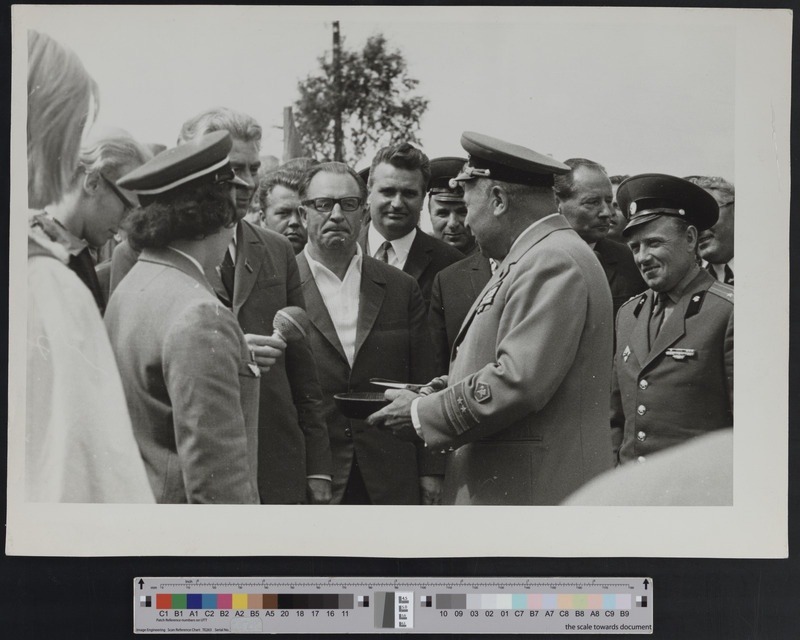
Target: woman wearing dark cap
{"x": 189, "y": 377}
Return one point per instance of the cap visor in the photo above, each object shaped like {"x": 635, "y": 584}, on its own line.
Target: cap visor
{"x": 238, "y": 182}
{"x": 640, "y": 220}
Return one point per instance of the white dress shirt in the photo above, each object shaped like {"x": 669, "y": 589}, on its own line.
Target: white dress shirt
{"x": 341, "y": 298}
{"x": 398, "y": 254}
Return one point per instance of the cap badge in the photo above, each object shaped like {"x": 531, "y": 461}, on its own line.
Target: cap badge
{"x": 681, "y": 212}
{"x": 632, "y": 208}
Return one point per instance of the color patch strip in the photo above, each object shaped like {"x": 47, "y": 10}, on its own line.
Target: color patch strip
{"x": 209, "y": 601}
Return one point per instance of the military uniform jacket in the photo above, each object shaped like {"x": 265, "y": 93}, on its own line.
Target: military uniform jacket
{"x": 293, "y": 440}
{"x": 526, "y": 409}
{"x": 191, "y": 391}
{"x": 392, "y": 341}
{"x": 683, "y": 386}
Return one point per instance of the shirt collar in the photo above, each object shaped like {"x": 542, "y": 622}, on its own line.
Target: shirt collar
{"x": 317, "y": 267}
{"x": 401, "y": 246}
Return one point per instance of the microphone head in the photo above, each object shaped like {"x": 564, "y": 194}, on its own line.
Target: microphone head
{"x": 291, "y": 323}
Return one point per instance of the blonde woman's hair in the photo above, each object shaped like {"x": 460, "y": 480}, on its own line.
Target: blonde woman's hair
{"x": 110, "y": 151}
{"x": 61, "y": 95}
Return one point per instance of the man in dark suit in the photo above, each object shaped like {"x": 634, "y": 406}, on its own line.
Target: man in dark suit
{"x": 673, "y": 367}
{"x": 367, "y": 320}
{"x": 398, "y": 179}
{"x": 585, "y": 199}
{"x": 455, "y": 287}
{"x": 454, "y": 290}
{"x": 526, "y": 406}
{"x": 294, "y": 453}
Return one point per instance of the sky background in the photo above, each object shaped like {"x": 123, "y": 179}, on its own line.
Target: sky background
{"x": 633, "y": 93}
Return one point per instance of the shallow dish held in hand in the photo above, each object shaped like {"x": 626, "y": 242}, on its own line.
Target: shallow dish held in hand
{"x": 357, "y": 405}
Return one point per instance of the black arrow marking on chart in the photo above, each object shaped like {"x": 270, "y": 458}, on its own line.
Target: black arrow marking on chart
{"x": 646, "y": 582}
{"x": 141, "y": 584}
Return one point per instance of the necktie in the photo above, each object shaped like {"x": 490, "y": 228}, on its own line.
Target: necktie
{"x": 657, "y": 316}
{"x": 226, "y": 274}
{"x": 710, "y": 268}
{"x": 383, "y": 251}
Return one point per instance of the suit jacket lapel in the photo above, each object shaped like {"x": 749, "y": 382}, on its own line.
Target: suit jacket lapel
{"x": 315, "y": 306}
{"x": 369, "y": 304}
{"x": 418, "y": 257}
{"x": 479, "y": 274}
{"x": 248, "y": 264}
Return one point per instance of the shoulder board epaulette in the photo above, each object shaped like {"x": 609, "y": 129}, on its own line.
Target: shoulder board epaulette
{"x": 695, "y": 303}
{"x": 641, "y": 297}
{"x": 721, "y": 290}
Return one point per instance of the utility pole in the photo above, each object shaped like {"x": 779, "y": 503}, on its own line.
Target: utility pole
{"x": 338, "y": 150}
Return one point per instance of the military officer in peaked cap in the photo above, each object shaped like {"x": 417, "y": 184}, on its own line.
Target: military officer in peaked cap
{"x": 673, "y": 367}
{"x": 190, "y": 381}
{"x": 526, "y": 406}
{"x": 446, "y": 205}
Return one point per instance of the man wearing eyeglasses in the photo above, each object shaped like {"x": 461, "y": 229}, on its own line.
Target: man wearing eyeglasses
{"x": 715, "y": 245}
{"x": 367, "y": 320}
{"x": 92, "y": 210}
{"x": 397, "y": 182}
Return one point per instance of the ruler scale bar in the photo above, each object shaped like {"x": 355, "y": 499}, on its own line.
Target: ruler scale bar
{"x": 401, "y": 605}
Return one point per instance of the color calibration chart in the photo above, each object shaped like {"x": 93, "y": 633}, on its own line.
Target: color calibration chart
{"x": 389, "y": 605}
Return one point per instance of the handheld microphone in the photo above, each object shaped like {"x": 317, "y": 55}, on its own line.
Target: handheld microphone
{"x": 291, "y": 324}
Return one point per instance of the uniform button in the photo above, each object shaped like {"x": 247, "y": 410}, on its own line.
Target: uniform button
{"x": 643, "y": 384}
{"x": 640, "y": 459}
{"x": 348, "y": 433}
{"x": 641, "y": 409}
{"x": 641, "y": 436}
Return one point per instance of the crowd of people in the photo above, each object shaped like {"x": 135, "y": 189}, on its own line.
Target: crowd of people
{"x": 566, "y": 335}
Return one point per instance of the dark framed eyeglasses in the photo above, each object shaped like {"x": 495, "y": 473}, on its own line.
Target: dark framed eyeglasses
{"x": 324, "y": 205}
{"x": 118, "y": 192}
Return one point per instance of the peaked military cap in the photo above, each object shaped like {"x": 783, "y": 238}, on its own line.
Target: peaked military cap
{"x": 648, "y": 196}
{"x": 507, "y": 162}
{"x": 443, "y": 170}
{"x": 204, "y": 159}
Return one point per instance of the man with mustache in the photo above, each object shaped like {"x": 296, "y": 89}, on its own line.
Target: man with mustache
{"x": 585, "y": 199}
{"x": 715, "y": 245}
{"x": 673, "y": 367}
{"x": 367, "y": 320}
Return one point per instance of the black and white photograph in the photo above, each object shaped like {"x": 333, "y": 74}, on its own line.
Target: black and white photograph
{"x": 399, "y": 282}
